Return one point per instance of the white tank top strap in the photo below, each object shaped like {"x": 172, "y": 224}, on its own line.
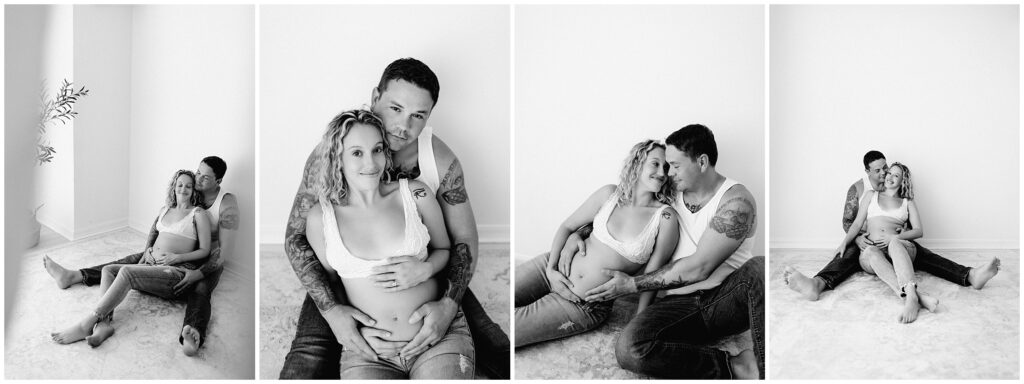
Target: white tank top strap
{"x": 426, "y": 160}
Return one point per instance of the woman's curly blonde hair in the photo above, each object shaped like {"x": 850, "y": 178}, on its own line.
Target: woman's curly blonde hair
{"x": 906, "y": 188}
{"x": 329, "y": 181}
{"x": 630, "y": 175}
{"x": 197, "y": 198}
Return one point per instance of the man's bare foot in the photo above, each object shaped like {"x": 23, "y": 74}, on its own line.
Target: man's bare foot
{"x": 809, "y": 288}
{"x": 911, "y": 306}
{"x": 63, "y": 276}
{"x": 928, "y": 302}
{"x": 979, "y": 276}
{"x": 744, "y": 365}
{"x": 100, "y": 332}
{"x": 76, "y": 332}
{"x": 190, "y": 340}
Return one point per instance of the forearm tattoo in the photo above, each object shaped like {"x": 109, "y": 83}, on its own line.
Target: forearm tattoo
{"x": 311, "y": 273}
{"x": 850, "y": 208}
{"x": 153, "y": 234}
{"x": 453, "y": 186}
{"x": 212, "y": 262}
{"x": 736, "y": 218}
{"x": 458, "y": 272}
{"x": 659, "y": 280}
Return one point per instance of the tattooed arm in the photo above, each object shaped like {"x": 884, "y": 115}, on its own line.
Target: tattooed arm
{"x": 664, "y": 247}
{"x": 304, "y": 262}
{"x": 734, "y": 221}
{"x": 227, "y": 231}
{"x": 851, "y": 205}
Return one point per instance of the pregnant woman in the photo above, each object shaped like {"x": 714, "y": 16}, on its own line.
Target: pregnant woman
{"x": 634, "y": 227}
{"x": 360, "y": 221}
{"x": 887, "y": 214}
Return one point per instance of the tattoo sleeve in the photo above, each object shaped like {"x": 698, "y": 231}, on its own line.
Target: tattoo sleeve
{"x": 736, "y": 218}
{"x": 229, "y": 218}
{"x": 304, "y": 262}
{"x": 212, "y": 262}
{"x": 153, "y": 234}
{"x": 850, "y": 208}
{"x": 458, "y": 272}
{"x": 658, "y": 279}
{"x": 453, "y": 186}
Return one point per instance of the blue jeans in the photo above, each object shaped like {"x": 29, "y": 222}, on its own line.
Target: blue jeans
{"x": 542, "y": 315}
{"x": 199, "y": 308}
{"x": 155, "y": 280}
{"x": 841, "y": 268}
{"x": 315, "y": 352}
{"x": 670, "y": 338}
{"x": 452, "y": 358}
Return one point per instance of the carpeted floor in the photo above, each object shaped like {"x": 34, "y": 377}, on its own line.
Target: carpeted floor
{"x": 852, "y": 333}
{"x": 281, "y": 297}
{"x": 591, "y": 355}
{"x": 145, "y": 344}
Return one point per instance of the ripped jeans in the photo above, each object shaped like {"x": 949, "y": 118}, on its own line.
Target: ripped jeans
{"x": 542, "y": 315}
{"x": 451, "y": 358}
{"x": 120, "y": 279}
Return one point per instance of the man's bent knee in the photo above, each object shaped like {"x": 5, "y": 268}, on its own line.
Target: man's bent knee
{"x": 629, "y": 350}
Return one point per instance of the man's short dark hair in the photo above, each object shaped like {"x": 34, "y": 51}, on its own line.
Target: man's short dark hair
{"x": 217, "y": 164}
{"x": 871, "y": 156}
{"x": 413, "y": 71}
{"x": 695, "y": 140}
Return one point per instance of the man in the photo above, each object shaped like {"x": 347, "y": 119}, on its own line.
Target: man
{"x": 840, "y": 268}
{"x": 404, "y": 99}
{"x": 198, "y": 284}
{"x": 718, "y": 221}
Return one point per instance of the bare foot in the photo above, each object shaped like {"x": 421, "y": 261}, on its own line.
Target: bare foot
{"x": 744, "y": 365}
{"x": 76, "y": 332}
{"x": 100, "y": 332}
{"x": 979, "y": 276}
{"x": 928, "y": 302}
{"x": 911, "y": 306}
{"x": 190, "y": 340}
{"x": 809, "y": 288}
{"x": 63, "y": 276}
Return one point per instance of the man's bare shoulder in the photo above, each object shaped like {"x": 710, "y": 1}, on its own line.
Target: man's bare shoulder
{"x": 857, "y": 186}
{"x": 739, "y": 191}
{"x": 443, "y": 154}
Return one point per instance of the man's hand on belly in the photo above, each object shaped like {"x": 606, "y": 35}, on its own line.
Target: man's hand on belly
{"x": 343, "y": 322}
{"x": 620, "y": 284}
{"x": 376, "y": 339}
{"x": 437, "y": 316}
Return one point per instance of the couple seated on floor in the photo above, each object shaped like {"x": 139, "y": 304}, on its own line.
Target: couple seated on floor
{"x": 649, "y": 233}
{"x": 182, "y": 259}
{"x": 881, "y": 223}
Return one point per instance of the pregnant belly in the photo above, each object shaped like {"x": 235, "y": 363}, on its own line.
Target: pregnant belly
{"x": 170, "y": 242}
{"x": 877, "y": 226}
{"x": 391, "y": 310}
{"x": 588, "y": 272}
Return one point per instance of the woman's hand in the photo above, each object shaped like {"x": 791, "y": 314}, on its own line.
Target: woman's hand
{"x": 377, "y": 339}
{"x": 574, "y": 246}
{"x": 883, "y": 240}
{"x": 839, "y": 251}
{"x": 400, "y": 272}
{"x": 561, "y": 285}
{"x": 170, "y": 258}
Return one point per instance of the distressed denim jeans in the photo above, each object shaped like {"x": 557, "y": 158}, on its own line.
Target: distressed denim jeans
{"x": 452, "y": 358}
{"x": 542, "y": 315}
{"x": 841, "y": 268}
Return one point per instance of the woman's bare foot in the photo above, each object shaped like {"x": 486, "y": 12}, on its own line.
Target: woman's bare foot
{"x": 76, "y": 332}
{"x": 809, "y": 288}
{"x": 744, "y": 365}
{"x": 979, "y": 276}
{"x": 100, "y": 333}
{"x": 190, "y": 340}
{"x": 911, "y": 306}
{"x": 63, "y": 276}
{"x": 928, "y": 302}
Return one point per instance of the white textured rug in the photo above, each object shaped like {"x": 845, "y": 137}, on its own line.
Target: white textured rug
{"x": 852, "y": 333}
{"x": 281, "y": 297}
{"x": 145, "y": 343}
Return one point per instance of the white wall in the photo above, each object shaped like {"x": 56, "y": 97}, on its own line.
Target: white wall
{"x": 591, "y": 81}
{"x": 193, "y": 95}
{"x": 102, "y": 63}
{"x": 56, "y": 180}
{"x": 935, "y": 87}
{"x": 317, "y": 61}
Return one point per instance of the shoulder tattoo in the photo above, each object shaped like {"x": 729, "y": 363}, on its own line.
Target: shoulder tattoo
{"x": 736, "y": 218}
{"x": 453, "y": 186}
{"x": 229, "y": 218}
{"x": 666, "y": 215}
{"x": 419, "y": 193}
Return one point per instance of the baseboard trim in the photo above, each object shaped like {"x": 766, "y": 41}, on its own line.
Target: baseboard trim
{"x": 929, "y": 243}
{"x": 101, "y": 227}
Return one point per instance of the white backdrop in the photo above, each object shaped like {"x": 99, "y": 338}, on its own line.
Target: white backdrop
{"x": 934, "y": 87}
{"x": 591, "y": 81}
{"x": 316, "y": 61}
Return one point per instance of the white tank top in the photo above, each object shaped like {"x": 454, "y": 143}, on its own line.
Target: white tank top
{"x": 426, "y": 160}
{"x": 637, "y": 250}
{"x": 868, "y": 188}
{"x": 693, "y": 224}
{"x": 901, "y": 214}
{"x": 215, "y": 209}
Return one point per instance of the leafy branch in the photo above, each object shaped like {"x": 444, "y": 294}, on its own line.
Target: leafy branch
{"x": 59, "y": 109}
